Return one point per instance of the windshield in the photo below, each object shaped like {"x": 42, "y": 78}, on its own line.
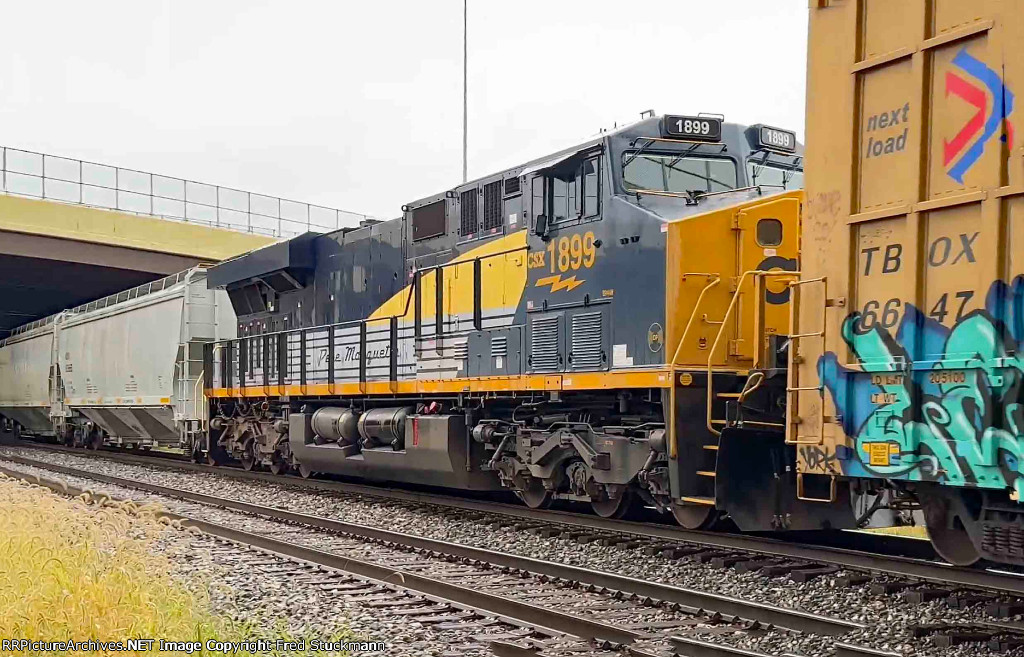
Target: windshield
{"x": 769, "y": 176}
{"x": 672, "y": 172}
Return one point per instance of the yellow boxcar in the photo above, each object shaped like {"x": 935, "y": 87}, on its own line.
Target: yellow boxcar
{"x": 905, "y": 373}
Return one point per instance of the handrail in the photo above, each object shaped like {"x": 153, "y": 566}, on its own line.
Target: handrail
{"x": 393, "y": 329}
{"x": 689, "y": 323}
{"x": 714, "y": 346}
{"x": 716, "y": 279}
{"x": 79, "y": 182}
{"x": 195, "y": 398}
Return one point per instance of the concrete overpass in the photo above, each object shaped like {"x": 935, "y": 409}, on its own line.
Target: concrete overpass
{"x": 73, "y": 231}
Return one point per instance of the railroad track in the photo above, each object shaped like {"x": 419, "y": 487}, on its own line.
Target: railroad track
{"x": 997, "y": 637}
{"x": 920, "y": 580}
{"x": 570, "y": 609}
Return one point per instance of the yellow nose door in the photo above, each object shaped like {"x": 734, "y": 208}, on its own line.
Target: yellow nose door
{"x": 767, "y": 240}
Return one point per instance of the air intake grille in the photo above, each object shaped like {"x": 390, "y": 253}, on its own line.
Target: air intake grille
{"x": 468, "y": 223}
{"x": 587, "y": 341}
{"x": 511, "y": 186}
{"x": 460, "y": 349}
{"x": 499, "y": 346}
{"x": 492, "y": 205}
{"x": 544, "y": 354}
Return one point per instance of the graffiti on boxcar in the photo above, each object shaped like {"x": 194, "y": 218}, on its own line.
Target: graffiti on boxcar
{"x": 935, "y": 403}
{"x": 817, "y": 457}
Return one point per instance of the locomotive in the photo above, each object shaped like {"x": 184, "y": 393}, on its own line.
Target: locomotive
{"x": 586, "y": 326}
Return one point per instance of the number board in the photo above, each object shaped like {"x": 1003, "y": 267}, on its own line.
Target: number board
{"x": 776, "y": 139}
{"x": 697, "y": 128}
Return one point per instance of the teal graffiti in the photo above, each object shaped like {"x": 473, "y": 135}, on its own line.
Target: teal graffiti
{"x": 935, "y": 403}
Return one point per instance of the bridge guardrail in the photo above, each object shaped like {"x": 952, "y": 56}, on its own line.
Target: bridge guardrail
{"x": 79, "y": 182}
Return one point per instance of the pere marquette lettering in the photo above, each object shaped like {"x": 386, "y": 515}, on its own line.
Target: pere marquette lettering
{"x": 888, "y": 259}
{"x": 884, "y": 120}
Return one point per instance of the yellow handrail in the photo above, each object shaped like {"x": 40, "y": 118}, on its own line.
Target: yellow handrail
{"x": 716, "y": 279}
{"x": 718, "y": 338}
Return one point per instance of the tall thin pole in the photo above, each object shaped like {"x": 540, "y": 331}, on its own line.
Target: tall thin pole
{"x": 465, "y": 89}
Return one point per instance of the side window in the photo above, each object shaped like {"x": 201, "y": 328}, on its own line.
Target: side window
{"x": 591, "y": 187}
{"x": 537, "y": 204}
{"x": 559, "y": 200}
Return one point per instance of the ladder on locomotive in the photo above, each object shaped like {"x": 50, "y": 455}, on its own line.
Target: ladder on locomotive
{"x": 755, "y": 377}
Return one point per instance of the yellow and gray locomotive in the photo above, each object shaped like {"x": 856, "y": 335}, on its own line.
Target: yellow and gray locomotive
{"x": 580, "y": 327}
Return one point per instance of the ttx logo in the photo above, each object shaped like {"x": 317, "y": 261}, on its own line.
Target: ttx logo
{"x": 965, "y": 148}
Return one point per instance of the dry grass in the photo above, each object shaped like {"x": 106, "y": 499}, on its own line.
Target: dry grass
{"x": 82, "y": 569}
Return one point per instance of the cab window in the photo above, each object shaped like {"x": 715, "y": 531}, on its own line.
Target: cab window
{"x": 575, "y": 191}
{"x": 671, "y": 172}
{"x": 769, "y": 176}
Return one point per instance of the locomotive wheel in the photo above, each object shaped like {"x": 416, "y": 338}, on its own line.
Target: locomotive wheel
{"x": 534, "y": 495}
{"x": 248, "y": 459}
{"x": 304, "y": 471}
{"x": 948, "y": 535}
{"x": 694, "y": 516}
{"x": 614, "y": 508}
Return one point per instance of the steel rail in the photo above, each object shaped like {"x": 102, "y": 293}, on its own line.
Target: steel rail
{"x": 800, "y": 621}
{"x": 920, "y": 569}
{"x": 545, "y": 619}
{"x": 687, "y": 647}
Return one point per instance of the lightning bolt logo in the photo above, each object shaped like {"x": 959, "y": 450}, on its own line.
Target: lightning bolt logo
{"x": 557, "y": 283}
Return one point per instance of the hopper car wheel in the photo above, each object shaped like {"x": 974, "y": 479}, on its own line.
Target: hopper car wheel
{"x": 614, "y": 508}
{"x": 278, "y": 467}
{"x": 304, "y": 471}
{"x": 96, "y": 442}
{"x": 694, "y": 516}
{"x": 948, "y": 535}
{"x": 534, "y": 495}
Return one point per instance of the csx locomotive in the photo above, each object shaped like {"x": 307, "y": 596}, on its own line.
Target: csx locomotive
{"x": 580, "y": 327}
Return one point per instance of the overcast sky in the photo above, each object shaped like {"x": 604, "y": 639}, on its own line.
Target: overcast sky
{"x": 358, "y": 105}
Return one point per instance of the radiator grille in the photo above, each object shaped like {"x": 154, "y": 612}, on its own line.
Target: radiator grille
{"x": 492, "y": 205}
{"x": 587, "y": 341}
{"x": 499, "y": 346}
{"x": 511, "y": 186}
{"x": 544, "y": 344}
{"x": 468, "y": 223}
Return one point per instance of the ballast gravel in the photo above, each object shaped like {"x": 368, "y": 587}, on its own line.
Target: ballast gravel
{"x": 887, "y": 619}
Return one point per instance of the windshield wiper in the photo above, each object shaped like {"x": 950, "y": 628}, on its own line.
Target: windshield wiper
{"x": 635, "y": 154}
{"x": 697, "y": 175}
